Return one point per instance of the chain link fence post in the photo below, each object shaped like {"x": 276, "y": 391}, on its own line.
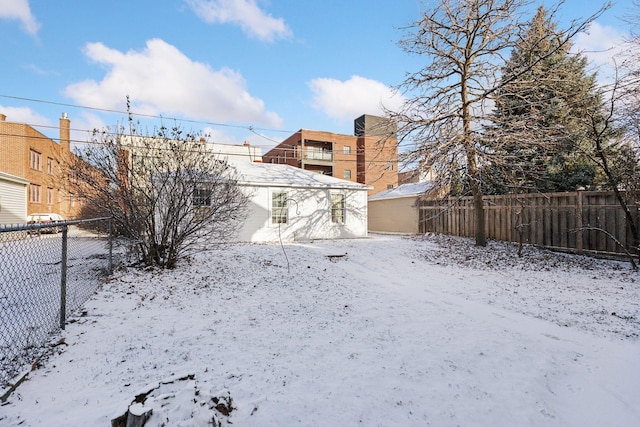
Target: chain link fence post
{"x": 63, "y": 278}
{"x": 46, "y": 272}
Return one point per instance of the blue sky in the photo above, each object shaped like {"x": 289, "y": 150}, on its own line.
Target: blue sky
{"x": 255, "y": 70}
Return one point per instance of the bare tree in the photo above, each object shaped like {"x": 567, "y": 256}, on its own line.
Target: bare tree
{"x": 615, "y": 139}
{"x": 612, "y": 150}
{"x": 465, "y": 43}
{"x": 166, "y": 191}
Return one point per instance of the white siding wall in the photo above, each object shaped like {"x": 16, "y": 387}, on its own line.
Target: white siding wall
{"x": 309, "y": 215}
{"x": 13, "y": 202}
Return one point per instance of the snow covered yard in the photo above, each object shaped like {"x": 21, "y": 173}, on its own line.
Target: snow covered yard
{"x": 397, "y": 332}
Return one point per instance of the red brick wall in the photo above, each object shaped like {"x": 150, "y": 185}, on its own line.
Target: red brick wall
{"x": 16, "y": 142}
{"x": 378, "y": 163}
{"x": 283, "y": 153}
{"x": 367, "y": 159}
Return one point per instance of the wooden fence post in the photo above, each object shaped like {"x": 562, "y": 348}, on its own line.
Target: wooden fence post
{"x": 579, "y": 223}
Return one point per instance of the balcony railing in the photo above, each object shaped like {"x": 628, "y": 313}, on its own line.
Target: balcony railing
{"x": 318, "y": 154}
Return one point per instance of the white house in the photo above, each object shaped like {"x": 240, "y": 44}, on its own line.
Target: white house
{"x": 288, "y": 203}
{"x": 234, "y": 154}
{"x": 396, "y": 210}
{"x": 13, "y": 199}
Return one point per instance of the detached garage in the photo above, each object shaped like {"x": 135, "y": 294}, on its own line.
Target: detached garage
{"x": 396, "y": 210}
{"x": 293, "y": 204}
{"x": 13, "y": 199}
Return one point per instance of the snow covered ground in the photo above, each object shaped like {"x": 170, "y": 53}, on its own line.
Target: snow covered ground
{"x": 397, "y": 332}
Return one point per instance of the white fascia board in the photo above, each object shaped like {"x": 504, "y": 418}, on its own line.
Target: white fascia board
{"x": 13, "y": 178}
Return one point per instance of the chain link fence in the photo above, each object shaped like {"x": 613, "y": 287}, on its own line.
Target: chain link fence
{"x": 46, "y": 272}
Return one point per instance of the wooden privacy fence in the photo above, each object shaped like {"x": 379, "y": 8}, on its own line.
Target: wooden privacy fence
{"x": 582, "y": 221}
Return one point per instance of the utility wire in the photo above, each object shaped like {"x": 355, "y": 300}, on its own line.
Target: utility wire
{"x": 250, "y": 128}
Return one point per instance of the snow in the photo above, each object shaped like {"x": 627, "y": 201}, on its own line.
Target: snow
{"x": 404, "y": 190}
{"x": 396, "y": 332}
{"x": 278, "y": 175}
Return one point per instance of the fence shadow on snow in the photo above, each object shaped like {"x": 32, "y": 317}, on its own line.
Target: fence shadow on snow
{"x": 46, "y": 273}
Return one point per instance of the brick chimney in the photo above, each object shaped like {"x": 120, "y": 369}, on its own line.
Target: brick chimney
{"x": 65, "y": 134}
{"x": 3, "y": 117}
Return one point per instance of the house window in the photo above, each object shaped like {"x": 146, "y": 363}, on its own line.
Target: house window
{"x": 34, "y": 160}
{"x": 389, "y": 186}
{"x": 279, "y": 211}
{"x": 390, "y": 166}
{"x": 34, "y": 193}
{"x": 346, "y": 149}
{"x": 49, "y": 196}
{"x": 347, "y": 174}
{"x": 337, "y": 208}
{"x": 202, "y": 197}
{"x": 50, "y": 168}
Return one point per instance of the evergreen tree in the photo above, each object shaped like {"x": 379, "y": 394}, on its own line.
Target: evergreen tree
{"x": 538, "y": 135}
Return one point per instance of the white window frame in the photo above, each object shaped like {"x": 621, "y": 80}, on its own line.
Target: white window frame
{"x": 341, "y": 198}
{"x": 201, "y": 197}
{"x": 347, "y": 172}
{"x": 279, "y": 214}
{"x": 35, "y": 193}
{"x": 35, "y": 160}
{"x": 346, "y": 149}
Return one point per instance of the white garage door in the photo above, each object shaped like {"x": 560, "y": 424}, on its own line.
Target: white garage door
{"x": 13, "y": 200}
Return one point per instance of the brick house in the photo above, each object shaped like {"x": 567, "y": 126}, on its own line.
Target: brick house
{"x": 370, "y": 156}
{"x": 32, "y": 156}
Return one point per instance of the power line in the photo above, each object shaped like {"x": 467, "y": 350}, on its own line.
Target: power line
{"x": 43, "y": 137}
{"x": 249, "y": 128}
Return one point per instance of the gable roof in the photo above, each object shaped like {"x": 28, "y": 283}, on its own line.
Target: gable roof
{"x": 279, "y": 175}
{"x": 404, "y": 190}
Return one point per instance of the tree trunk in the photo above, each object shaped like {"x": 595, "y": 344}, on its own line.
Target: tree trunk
{"x": 472, "y": 165}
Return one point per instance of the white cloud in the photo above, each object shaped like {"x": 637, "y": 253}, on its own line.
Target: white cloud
{"x": 245, "y": 13}
{"x": 20, "y": 10}
{"x": 82, "y": 127}
{"x": 600, "y": 44}
{"x": 220, "y": 136}
{"x": 346, "y": 100}
{"x": 162, "y": 80}
{"x": 25, "y": 115}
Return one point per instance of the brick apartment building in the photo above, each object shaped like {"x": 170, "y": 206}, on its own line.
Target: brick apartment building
{"x": 30, "y": 155}
{"x": 370, "y": 156}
